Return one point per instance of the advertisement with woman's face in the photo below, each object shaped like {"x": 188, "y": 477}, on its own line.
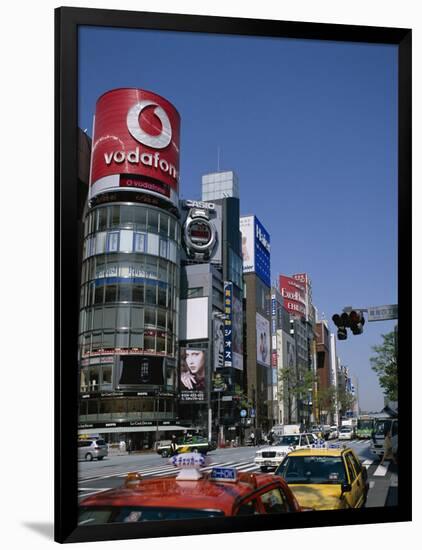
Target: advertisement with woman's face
{"x": 262, "y": 340}
{"x": 192, "y": 374}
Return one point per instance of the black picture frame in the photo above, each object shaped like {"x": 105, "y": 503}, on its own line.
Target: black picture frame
{"x": 67, "y": 21}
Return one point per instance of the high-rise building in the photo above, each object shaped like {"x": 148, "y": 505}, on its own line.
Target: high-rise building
{"x": 211, "y": 309}
{"x": 296, "y": 291}
{"x": 257, "y": 302}
{"x": 129, "y": 308}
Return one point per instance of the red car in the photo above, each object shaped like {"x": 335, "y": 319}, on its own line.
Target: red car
{"x": 192, "y": 494}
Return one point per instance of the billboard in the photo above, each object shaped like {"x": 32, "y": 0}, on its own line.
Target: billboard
{"x": 137, "y": 370}
{"x": 228, "y": 324}
{"x": 294, "y": 295}
{"x": 135, "y": 144}
{"x": 256, "y": 248}
{"x": 193, "y": 318}
{"x": 262, "y": 340}
{"x": 218, "y": 328}
{"x": 237, "y": 340}
{"x": 202, "y": 231}
{"x": 248, "y": 251}
{"x": 192, "y": 374}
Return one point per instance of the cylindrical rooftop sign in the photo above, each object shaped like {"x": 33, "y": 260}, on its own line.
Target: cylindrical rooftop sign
{"x": 135, "y": 144}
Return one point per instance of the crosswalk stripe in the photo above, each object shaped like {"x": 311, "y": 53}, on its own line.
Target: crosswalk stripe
{"x": 254, "y": 467}
{"x": 382, "y": 469}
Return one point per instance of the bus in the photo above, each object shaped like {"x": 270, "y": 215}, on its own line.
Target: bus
{"x": 365, "y": 426}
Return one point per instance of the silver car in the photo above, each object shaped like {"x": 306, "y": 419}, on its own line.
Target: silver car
{"x": 88, "y": 449}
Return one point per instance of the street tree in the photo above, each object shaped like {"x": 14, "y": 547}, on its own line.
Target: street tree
{"x": 297, "y": 383}
{"x": 326, "y": 399}
{"x": 345, "y": 400}
{"x": 384, "y": 363}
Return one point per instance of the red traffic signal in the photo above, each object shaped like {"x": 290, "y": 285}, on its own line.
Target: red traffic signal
{"x": 356, "y": 320}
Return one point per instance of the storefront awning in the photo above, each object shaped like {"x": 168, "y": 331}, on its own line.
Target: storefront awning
{"x": 131, "y": 429}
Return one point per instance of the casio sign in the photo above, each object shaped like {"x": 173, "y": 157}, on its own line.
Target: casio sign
{"x": 262, "y": 239}
{"x": 199, "y": 204}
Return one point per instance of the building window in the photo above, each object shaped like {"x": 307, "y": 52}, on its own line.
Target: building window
{"x": 150, "y": 293}
{"x": 164, "y": 222}
{"x": 149, "y": 341}
{"x": 162, "y": 294}
{"x": 102, "y": 218}
{"x": 152, "y": 221}
{"x": 106, "y": 381}
{"x": 140, "y": 218}
{"x": 110, "y": 293}
{"x": 195, "y": 292}
{"x": 163, "y": 248}
{"x": 112, "y": 241}
{"x": 139, "y": 242}
{"x": 138, "y": 293}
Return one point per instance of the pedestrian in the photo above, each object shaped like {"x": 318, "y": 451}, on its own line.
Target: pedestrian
{"x": 388, "y": 449}
{"x": 271, "y": 437}
{"x": 253, "y": 439}
{"x": 129, "y": 447}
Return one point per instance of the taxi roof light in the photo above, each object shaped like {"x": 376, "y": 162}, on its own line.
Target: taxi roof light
{"x": 189, "y": 474}
{"x": 133, "y": 479}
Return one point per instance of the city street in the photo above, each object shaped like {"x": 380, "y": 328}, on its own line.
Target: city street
{"x": 95, "y": 476}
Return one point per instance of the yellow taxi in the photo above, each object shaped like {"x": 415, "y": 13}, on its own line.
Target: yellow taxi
{"x": 326, "y": 478}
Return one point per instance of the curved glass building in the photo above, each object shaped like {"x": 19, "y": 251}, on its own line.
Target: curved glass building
{"x": 128, "y": 330}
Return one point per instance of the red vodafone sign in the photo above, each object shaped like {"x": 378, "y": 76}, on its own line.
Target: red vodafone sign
{"x": 135, "y": 143}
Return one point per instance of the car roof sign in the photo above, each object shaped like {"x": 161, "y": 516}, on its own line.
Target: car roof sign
{"x": 223, "y": 474}
{"x": 188, "y": 460}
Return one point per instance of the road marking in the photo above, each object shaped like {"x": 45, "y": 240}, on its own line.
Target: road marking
{"x": 168, "y": 469}
{"x": 382, "y": 469}
{"x": 367, "y": 462}
{"x": 255, "y": 467}
{"x": 371, "y": 484}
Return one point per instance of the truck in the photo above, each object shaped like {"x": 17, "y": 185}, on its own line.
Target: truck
{"x": 286, "y": 429}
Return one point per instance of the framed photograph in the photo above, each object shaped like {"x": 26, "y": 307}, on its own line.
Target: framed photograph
{"x": 233, "y": 288}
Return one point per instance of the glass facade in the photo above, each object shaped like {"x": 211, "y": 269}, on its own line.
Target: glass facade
{"x": 129, "y": 299}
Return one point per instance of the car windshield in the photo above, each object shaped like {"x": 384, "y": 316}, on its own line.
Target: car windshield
{"x": 312, "y": 469}
{"x": 346, "y": 429}
{"x": 365, "y": 424}
{"x": 382, "y": 427}
{"x": 133, "y": 514}
{"x": 288, "y": 440}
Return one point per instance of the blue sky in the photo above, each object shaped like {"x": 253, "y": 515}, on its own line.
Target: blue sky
{"x": 310, "y": 128}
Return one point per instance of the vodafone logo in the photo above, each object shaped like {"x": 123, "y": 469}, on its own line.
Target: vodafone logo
{"x": 136, "y": 133}
{"x": 155, "y": 142}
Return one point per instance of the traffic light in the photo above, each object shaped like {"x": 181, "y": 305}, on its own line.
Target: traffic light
{"x": 341, "y": 322}
{"x": 353, "y": 320}
{"x": 356, "y": 320}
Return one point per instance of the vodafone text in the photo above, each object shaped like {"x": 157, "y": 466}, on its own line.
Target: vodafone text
{"x": 148, "y": 159}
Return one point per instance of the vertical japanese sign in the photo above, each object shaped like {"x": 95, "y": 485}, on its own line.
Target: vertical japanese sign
{"x": 228, "y": 324}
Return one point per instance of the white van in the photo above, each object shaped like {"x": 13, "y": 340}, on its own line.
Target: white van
{"x": 88, "y": 449}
